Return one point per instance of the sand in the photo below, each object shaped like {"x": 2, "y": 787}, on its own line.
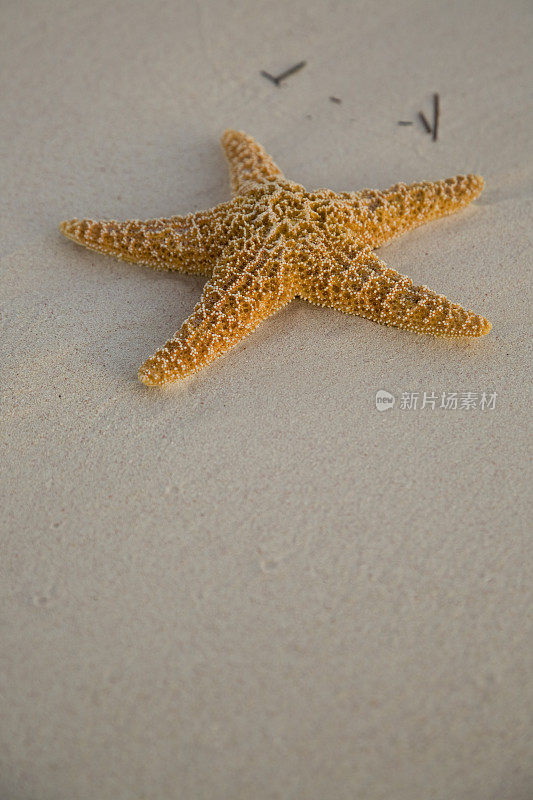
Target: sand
{"x": 255, "y": 584}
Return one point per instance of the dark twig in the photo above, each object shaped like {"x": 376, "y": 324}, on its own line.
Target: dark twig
{"x": 270, "y": 77}
{"x": 285, "y": 74}
{"x": 436, "y": 113}
{"x": 291, "y": 70}
{"x": 425, "y": 123}
{"x": 404, "y": 122}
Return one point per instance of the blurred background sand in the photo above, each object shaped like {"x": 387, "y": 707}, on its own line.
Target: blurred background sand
{"x": 254, "y": 584}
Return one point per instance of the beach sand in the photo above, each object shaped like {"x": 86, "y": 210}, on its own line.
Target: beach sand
{"x": 254, "y": 584}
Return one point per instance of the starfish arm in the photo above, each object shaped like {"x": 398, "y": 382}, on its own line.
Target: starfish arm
{"x": 185, "y": 244}
{"x": 249, "y": 285}
{"x": 356, "y": 281}
{"x": 249, "y": 163}
{"x": 379, "y": 217}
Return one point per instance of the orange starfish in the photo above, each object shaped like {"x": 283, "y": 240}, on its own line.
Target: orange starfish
{"x": 275, "y": 241}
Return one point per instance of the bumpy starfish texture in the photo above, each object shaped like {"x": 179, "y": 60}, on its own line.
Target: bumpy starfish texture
{"x": 275, "y": 241}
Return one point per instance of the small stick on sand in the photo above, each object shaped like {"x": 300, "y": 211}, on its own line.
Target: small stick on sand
{"x": 283, "y": 75}
{"x": 436, "y": 113}
{"x": 425, "y": 123}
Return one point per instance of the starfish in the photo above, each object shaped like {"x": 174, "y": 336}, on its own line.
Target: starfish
{"x": 275, "y": 241}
